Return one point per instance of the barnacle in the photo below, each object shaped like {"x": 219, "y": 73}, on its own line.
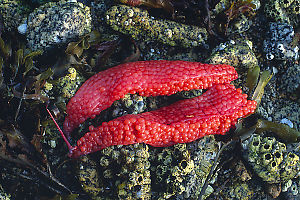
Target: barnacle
{"x": 270, "y": 159}
{"x": 88, "y": 176}
{"x": 181, "y": 170}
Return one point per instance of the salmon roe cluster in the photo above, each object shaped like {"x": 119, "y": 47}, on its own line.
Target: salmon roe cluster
{"x": 215, "y": 112}
{"x": 148, "y": 78}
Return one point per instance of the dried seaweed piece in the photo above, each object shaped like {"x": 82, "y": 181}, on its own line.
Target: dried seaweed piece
{"x": 16, "y": 149}
{"x": 14, "y": 145}
{"x": 77, "y": 48}
{"x": 237, "y": 8}
{"x": 107, "y": 49}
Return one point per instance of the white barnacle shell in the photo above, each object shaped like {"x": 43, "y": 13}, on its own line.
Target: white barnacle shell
{"x": 169, "y": 33}
{"x": 130, "y": 13}
{"x": 281, "y": 47}
{"x": 269, "y": 56}
{"x": 22, "y": 28}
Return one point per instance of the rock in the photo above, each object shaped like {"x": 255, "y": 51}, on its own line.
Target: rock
{"x": 236, "y": 53}
{"x": 57, "y": 23}
{"x": 278, "y": 43}
{"x": 12, "y": 13}
{"x": 139, "y": 25}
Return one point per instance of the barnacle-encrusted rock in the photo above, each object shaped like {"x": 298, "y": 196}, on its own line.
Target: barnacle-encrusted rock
{"x": 270, "y": 159}
{"x": 135, "y": 104}
{"x": 65, "y": 86}
{"x": 56, "y": 23}
{"x": 283, "y": 11}
{"x": 125, "y": 171}
{"x": 235, "y": 53}
{"x": 12, "y": 13}
{"x": 290, "y": 80}
{"x": 181, "y": 170}
{"x": 190, "y": 93}
{"x": 3, "y": 195}
{"x": 88, "y": 176}
{"x": 137, "y": 23}
{"x": 278, "y": 43}
{"x": 291, "y": 189}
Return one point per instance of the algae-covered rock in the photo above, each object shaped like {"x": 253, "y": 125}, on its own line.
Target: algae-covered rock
{"x": 240, "y": 21}
{"x": 137, "y": 23}
{"x": 88, "y": 176}
{"x": 235, "y": 53}
{"x": 3, "y": 195}
{"x": 270, "y": 159}
{"x": 56, "y": 23}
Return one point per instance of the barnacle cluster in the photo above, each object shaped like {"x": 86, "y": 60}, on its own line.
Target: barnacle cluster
{"x": 138, "y": 24}
{"x": 270, "y": 159}
{"x": 3, "y": 195}
{"x": 235, "y": 53}
{"x": 88, "y": 176}
{"x": 291, "y": 189}
{"x": 66, "y": 85}
{"x": 125, "y": 171}
{"x": 12, "y": 13}
{"x": 181, "y": 171}
{"x": 278, "y": 43}
{"x": 283, "y": 10}
{"x": 55, "y": 23}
